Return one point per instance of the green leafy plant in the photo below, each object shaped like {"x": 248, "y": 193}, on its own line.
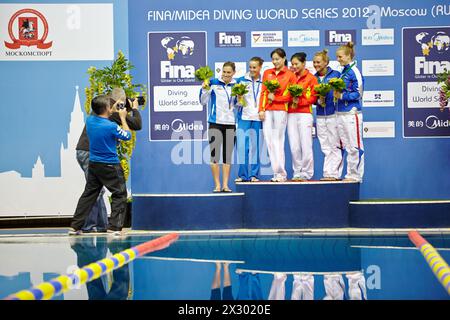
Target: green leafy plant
{"x": 204, "y": 74}
{"x": 240, "y": 90}
{"x": 103, "y": 81}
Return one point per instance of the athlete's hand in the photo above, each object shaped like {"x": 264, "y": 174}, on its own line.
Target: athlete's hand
{"x": 262, "y": 115}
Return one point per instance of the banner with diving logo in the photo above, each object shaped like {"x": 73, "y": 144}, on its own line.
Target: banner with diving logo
{"x": 426, "y": 52}
{"x": 174, "y": 92}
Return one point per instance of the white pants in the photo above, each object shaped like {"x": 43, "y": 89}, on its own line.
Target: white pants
{"x": 357, "y": 286}
{"x": 278, "y": 290}
{"x": 334, "y": 287}
{"x": 274, "y": 128}
{"x": 301, "y": 144}
{"x": 350, "y": 128}
{"x": 330, "y": 144}
{"x": 303, "y": 287}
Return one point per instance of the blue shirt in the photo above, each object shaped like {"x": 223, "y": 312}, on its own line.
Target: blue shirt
{"x": 103, "y": 135}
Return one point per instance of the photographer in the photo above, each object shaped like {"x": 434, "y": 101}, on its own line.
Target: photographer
{"x": 98, "y": 219}
{"x": 104, "y": 166}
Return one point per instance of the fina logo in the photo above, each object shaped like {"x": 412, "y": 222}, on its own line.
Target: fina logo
{"x": 185, "y": 47}
{"x": 432, "y": 43}
{"x": 340, "y": 37}
{"x": 439, "y": 42}
{"x": 179, "y": 125}
{"x": 230, "y": 39}
{"x": 432, "y": 122}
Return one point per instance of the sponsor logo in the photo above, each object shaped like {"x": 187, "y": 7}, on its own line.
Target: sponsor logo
{"x": 28, "y": 27}
{"x": 378, "y": 98}
{"x": 230, "y": 39}
{"x": 267, "y": 39}
{"x": 432, "y": 122}
{"x": 379, "y": 129}
{"x": 241, "y": 69}
{"x": 377, "y": 37}
{"x": 374, "y": 68}
{"x": 339, "y": 37}
{"x": 178, "y": 125}
{"x": 303, "y": 38}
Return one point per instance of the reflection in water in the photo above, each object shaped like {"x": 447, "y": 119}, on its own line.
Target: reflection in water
{"x": 113, "y": 286}
{"x": 251, "y": 268}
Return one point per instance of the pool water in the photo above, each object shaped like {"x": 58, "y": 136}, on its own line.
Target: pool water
{"x": 240, "y": 266}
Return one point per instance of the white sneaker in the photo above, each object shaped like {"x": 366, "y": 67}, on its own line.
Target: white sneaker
{"x": 73, "y": 232}
{"x": 238, "y": 180}
{"x": 297, "y": 179}
{"x": 274, "y": 179}
{"x": 254, "y": 179}
{"x": 114, "y": 233}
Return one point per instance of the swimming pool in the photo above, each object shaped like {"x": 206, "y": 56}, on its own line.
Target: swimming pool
{"x": 279, "y": 265}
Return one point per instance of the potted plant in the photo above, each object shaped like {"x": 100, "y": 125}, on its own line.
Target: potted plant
{"x": 102, "y": 81}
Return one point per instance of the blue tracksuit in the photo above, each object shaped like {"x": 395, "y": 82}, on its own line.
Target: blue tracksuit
{"x": 352, "y": 95}
{"x": 329, "y": 104}
{"x": 249, "y": 129}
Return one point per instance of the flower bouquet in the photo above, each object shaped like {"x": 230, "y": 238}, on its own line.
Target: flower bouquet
{"x": 296, "y": 91}
{"x": 240, "y": 90}
{"x": 322, "y": 91}
{"x": 338, "y": 85}
{"x": 204, "y": 74}
{"x": 444, "y": 91}
{"x": 272, "y": 85}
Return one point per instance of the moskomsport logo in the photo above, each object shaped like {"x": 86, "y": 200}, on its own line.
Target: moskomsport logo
{"x": 303, "y": 38}
{"x": 178, "y": 125}
{"x": 339, "y": 37}
{"x": 28, "y": 27}
{"x": 432, "y": 122}
{"x": 230, "y": 39}
{"x": 267, "y": 39}
{"x": 377, "y": 37}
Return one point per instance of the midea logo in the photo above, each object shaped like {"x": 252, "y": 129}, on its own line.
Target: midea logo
{"x": 432, "y": 122}
{"x": 179, "y": 125}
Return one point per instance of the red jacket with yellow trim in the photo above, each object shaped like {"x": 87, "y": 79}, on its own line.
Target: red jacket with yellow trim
{"x": 307, "y": 80}
{"x": 282, "y": 97}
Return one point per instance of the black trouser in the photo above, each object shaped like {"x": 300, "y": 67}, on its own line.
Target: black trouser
{"x": 222, "y": 137}
{"x": 99, "y": 175}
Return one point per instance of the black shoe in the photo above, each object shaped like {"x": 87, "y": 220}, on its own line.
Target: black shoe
{"x": 226, "y": 190}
